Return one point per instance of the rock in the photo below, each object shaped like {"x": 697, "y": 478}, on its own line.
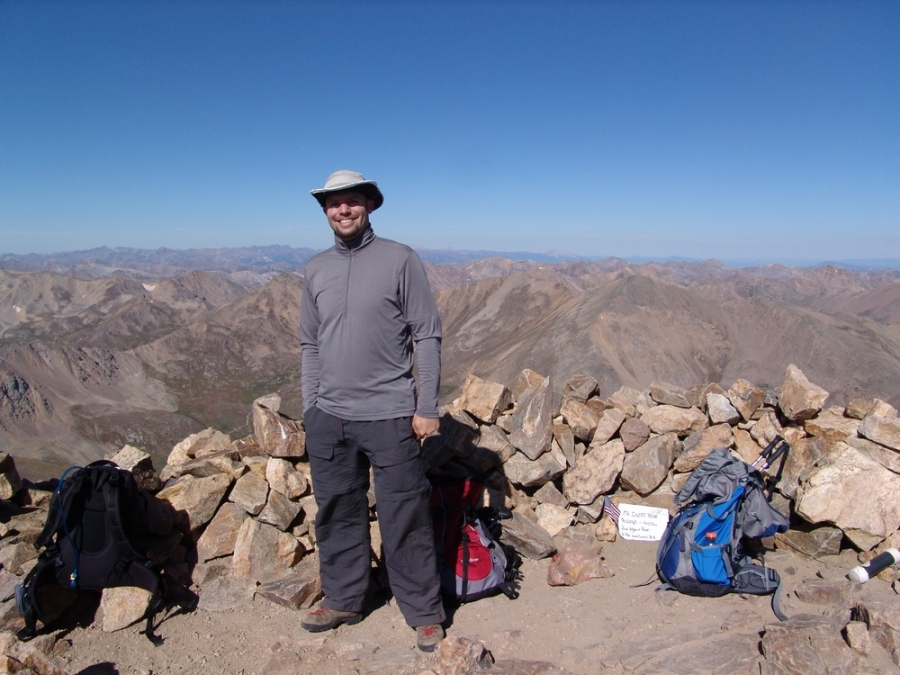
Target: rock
{"x": 746, "y": 398}
{"x": 527, "y": 537}
{"x": 608, "y": 425}
{"x": 883, "y": 621}
{"x": 832, "y": 426}
{"x": 595, "y": 473}
{"x": 484, "y": 400}
{"x": 882, "y": 430}
{"x": 646, "y": 468}
{"x": 140, "y": 464}
{"x": 277, "y": 434}
{"x": 855, "y": 493}
{"x": 882, "y": 409}
{"x": 824, "y": 592}
{"x": 527, "y": 379}
{"x": 197, "y": 445}
{"x": 858, "y": 408}
{"x": 799, "y": 462}
{"x": 284, "y": 478}
{"x": 720, "y": 410}
{"x": 250, "y": 492}
{"x": 631, "y": 401}
{"x": 493, "y": 440}
{"x": 460, "y": 656}
{"x": 533, "y": 421}
{"x": 271, "y": 401}
{"x": 798, "y": 398}
{"x": 10, "y": 481}
{"x": 580, "y": 419}
{"x": 224, "y": 594}
{"x": 590, "y": 513}
{"x": 606, "y": 529}
{"x": 669, "y": 394}
{"x": 820, "y": 541}
{"x": 123, "y": 606}
{"x": 596, "y": 404}
{"x": 13, "y": 556}
{"x": 699, "y": 444}
{"x": 219, "y": 536}
{"x": 263, "y": 553}
{"x": 807, "y": 644}
{"x": 279, "y": 511}
{"x": 221, "y": 461}
{"x": 548, "y": 494}
{"x": 858, "y": 637}
{"x": 634, "y": 433}
{"x": 554, "y": 519}
{"x": 523, "y": 471}
{"x": 744, "y": 445}
{"x": 297, "y": 591}
{"x": 580, "y": 387}
{"x": 565, "y": 439}
{"x": 197, "y": 498}
{"x": 888, "y": 458}
{"x": 457, "y": 431}
{"x": 766, "y": 429}
{"x": 666, "y": 419}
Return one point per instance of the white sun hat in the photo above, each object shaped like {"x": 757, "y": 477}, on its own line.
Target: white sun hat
{"x": 345, "y": 181}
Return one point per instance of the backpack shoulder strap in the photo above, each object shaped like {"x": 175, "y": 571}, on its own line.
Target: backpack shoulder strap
{"x": 112, "y": 498}
{"x": 59, "y": 505}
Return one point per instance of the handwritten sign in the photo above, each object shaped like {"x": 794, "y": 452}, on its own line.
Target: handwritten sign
{"x": 642, "y": 523}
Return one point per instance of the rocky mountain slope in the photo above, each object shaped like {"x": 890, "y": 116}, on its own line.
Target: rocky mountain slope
{"x": 89, "y": 364}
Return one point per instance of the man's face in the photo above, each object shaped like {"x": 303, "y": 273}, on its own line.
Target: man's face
{"x": 348, "y": 213}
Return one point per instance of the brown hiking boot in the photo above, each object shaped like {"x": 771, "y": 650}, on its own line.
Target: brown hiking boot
{"x": 325, "y": 618}
{"x": 428, "y": 637}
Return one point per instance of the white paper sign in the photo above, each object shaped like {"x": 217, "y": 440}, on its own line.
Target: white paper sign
{"x": 642, "y": 523}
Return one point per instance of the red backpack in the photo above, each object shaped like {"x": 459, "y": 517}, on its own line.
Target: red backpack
{"x": 473, "y": 563}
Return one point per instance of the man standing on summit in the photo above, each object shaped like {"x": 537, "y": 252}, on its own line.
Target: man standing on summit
{"x": 367, "y": 309}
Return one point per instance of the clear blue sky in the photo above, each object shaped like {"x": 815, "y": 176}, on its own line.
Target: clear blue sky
{"x": 728, "y": 129}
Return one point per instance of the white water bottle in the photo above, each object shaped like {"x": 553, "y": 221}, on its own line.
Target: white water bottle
{"x": 862, "y": 573}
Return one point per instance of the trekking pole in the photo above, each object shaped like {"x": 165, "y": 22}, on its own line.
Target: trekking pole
{"x": 764, "y": 455}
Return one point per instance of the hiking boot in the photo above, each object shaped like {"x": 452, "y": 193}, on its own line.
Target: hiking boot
{"x": 427, "y": 637}
{"x": 326, "y": 618}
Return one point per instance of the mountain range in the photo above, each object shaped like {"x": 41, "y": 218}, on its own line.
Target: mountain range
{"x": 121, "y": 346}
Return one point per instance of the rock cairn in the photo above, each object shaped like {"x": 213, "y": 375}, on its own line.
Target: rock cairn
{"x": 245, "y": 510}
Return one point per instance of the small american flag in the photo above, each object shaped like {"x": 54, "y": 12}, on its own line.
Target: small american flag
{"x": 611, "y": 509}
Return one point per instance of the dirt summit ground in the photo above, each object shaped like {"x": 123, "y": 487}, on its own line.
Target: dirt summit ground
{"x": 599, "y": 626}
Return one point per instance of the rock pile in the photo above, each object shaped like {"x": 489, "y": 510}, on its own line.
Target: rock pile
{"x": 553, "y": 461}
{"x": 245, "y": 508}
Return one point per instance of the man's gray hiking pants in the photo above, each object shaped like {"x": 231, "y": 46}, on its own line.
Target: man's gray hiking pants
{"x": 340, "y": 453}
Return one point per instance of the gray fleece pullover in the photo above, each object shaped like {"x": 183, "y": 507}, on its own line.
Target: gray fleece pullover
{"x": 365, "y": 303}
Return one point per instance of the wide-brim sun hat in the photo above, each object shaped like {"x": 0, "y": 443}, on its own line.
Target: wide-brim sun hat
{"x": 346, "y": 181}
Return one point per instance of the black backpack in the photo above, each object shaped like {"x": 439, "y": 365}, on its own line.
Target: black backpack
{"x": 723, "y": 504}
{"x": 96, "y": 536}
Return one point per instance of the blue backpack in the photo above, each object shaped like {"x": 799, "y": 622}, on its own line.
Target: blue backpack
{"x": 723, "y": 503}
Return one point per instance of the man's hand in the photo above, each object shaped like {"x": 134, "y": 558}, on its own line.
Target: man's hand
{"x": 424, "y": 426}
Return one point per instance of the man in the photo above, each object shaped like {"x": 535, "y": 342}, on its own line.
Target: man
{"x": 367, "y": 307}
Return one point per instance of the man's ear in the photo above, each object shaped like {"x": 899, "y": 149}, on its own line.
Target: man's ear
{"x": 370, "y": 205}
